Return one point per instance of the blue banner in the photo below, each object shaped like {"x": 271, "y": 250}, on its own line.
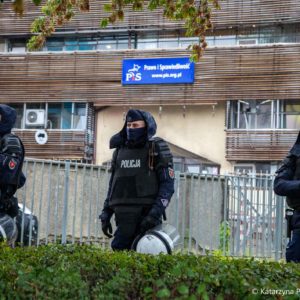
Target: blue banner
{"x": 158, "y": 71}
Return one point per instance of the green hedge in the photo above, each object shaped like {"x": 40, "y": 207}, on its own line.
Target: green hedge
{"x": 87, "y": 272}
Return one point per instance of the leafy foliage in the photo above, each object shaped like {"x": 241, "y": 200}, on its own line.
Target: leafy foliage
{"x": 196, "y": 14}
{"x": 87, "y": 272}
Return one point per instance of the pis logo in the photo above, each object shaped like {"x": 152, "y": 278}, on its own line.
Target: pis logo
{"x": 133, "y": 74}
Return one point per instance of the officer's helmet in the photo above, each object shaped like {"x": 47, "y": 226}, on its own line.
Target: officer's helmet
{"x": 163, "y": 238}
{"x": 8, "y": 229}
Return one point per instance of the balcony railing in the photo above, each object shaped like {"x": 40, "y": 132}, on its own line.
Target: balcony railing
{"x": 60, "y": 145}
{"x": 259, "y": 145}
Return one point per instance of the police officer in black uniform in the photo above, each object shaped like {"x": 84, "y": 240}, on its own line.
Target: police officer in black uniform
{"x": 287, "y": 183}
{"x": 11, "y": 161}
{"x": 142, "y": 180}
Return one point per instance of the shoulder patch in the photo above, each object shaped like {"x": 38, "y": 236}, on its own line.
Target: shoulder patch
{"x": 12, "y": 164}
{"x": 171, "y": 173}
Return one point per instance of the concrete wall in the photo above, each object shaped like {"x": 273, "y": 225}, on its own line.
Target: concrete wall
{"x": 201, "y": 130}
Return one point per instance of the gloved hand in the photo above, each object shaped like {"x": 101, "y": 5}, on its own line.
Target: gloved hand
{"x": 105, "y": 224}
{"x": 148, "y": 222}
{"x": 12, "y": 208}
{"x": 107, "y": 229}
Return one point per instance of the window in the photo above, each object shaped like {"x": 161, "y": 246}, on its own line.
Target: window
{"x": 185, "y": 42}
{"x": 71, "y": 45}
{"x": 253, "y": 114}
{"x": 55, "y": 45}
{"x": 244, "y": 169}
{"x": 168, "y": 43}
{"x": 256, "y": 174}
{"x": 79, "y": 116}
{"x": 263, "y": 114}
{"x": 107, "y": 43}
{"x": 290, "y": 114}
{"x": 20, "y": 113}
{"x": 147, "y": 41}
{"x": 65, "y": 115}
{"x": 2, "y": 45}
{"x": 17, "y": 46}
{"x": 59, "y": 115}
{"x": 225, "y": 40}
{"x": 87, "y": 44}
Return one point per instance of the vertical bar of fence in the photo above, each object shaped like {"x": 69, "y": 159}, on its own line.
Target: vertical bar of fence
{"x": 90, "y": 196}
{"x": 177, "y": 195}
{"x": 238, "y": 217}
{"x": 197, "y": 207}
{"x": 251, "y": 231}
{"x": 65, "y": 203}
{"x": 48, "y": 201}
{"x": 280, "y": 228}
{"x": 32, "y": 202}
{"x": 191, "y": 201}
{"x": 106, "y": 183}
{"x": 97, "y": 195}
{"x": 270, "y": 244}
{"x": 263, "y": 229}
{"x": 40, "y": 201}
{"x": 184, "y": 208}
{"x": 75, "y": 203}
{"x": 245, "y": 221}
{"x": 225, "y": 217}
{"x": 82, "y": 203}
{"x": 24, "y": 203}
{"x": 258, "y": 215}
{"x": 231, "y": 214}
{"x": 211, "y": 213}
{"x": 57, "y": 186}
{"x": 205, "y": 205}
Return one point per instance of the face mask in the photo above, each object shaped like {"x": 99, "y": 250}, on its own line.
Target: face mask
{"x": 135, "y": 134}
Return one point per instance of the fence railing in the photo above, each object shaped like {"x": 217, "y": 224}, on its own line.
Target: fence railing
{"x": 234, "y": 215}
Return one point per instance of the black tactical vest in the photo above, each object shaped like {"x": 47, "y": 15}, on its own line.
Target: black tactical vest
{"x": 134, "y": 183}
{"x": 295, "y": 202}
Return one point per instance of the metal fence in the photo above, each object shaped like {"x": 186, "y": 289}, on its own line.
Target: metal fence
{"x": 233, "y": 215}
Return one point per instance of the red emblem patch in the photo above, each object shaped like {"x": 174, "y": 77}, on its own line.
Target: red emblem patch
{"x": 171, "y": 173}
{"x": 12, "y": 164}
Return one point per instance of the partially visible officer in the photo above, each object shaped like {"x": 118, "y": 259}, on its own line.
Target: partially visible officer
{"x": 287, "y": 183}
{"x": 11, "y": 161}
{"x": 142, "y": 180}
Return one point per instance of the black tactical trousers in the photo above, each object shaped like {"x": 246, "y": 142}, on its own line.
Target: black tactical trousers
{"x": 128, "y": 219}
{"x": 293, "y": 248}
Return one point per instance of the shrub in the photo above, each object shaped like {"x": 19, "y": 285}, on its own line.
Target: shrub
{"x": 87, "y": 272}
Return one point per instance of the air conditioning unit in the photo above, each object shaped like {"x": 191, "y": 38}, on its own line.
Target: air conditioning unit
{"x": 35, "y": 117}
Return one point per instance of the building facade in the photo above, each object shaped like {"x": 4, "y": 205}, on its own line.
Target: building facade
{"x": 242, "y": 113}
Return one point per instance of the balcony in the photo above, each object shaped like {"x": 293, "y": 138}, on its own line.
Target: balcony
{"x": 259, "y": 145}
{"x": 61, "y": 145}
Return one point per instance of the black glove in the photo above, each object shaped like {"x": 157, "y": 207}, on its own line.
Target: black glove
{"x": 106, "y": 225}
{"x": 149, "y": 222}
{"x": 12, "y": 208}
{"x": 107, "y": 229}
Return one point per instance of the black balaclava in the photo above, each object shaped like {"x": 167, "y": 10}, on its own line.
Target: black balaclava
{"x": 135, "y": 136}
{"x": 8, "y": 119}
